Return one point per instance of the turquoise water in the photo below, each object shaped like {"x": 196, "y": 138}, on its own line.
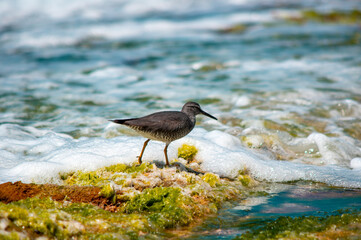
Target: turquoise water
{"x": 294, "y": 200}
{"x": 286, "y": 92}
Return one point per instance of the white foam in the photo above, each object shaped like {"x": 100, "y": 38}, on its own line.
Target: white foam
{"x": 43, "y": 154}
{"x": 242, "y": 101}
{"x": 334, "y": 150}
{"x": 46, "y": 40}
{"x": 355, "y": 163}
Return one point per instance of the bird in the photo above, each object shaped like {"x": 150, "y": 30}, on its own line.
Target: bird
{"x": 165, "y": 126}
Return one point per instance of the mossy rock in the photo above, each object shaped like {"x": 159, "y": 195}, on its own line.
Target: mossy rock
{"x": 165, "y": 206}
{"x": 115, "y": 210}
{"x": 41, "y": 216}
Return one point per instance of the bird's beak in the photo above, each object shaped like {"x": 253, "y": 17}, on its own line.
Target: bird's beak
{"x": 208, "y": 115}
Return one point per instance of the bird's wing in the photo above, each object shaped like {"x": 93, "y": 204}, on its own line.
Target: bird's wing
{"x": 160, "y": 121}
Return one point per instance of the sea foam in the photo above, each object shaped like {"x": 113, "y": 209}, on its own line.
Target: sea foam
{"x": 42, "y": 155}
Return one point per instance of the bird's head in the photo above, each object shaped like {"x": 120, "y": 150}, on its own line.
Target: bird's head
{"x": 193, "y": 109}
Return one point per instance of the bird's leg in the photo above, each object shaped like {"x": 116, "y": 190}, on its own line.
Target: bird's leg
{"x": 166, "y": 155}
{"x": 141, "y": 154}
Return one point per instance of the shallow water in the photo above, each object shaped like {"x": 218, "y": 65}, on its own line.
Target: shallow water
{"x": 287, "y": 94}
{"x": 290, "y": 200}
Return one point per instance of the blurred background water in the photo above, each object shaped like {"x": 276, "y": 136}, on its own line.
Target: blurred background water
{"x": 282, "y": 76}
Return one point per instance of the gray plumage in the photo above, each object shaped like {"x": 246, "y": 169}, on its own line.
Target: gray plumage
{"x": 165, "y": 126}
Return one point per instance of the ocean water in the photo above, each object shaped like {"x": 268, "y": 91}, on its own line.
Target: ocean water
{"x": 293, "y": 200}
{"x": 287, "y": 95}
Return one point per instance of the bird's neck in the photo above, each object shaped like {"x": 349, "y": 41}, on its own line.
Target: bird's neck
{"x": 191, "y": 116}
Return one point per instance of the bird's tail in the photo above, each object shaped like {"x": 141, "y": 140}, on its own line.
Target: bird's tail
{"x": 121, "y": 121}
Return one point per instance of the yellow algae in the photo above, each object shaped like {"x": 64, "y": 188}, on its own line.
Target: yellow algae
{"x": 187, "y": 152}
{"x": 116, "y": 168}
{"x": 211, "y": 179}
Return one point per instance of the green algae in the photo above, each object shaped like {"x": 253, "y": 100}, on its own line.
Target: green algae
{"x": 99, "y": 221}
{"x": 135, "y": 168}
{"x": 206, "y": 101}
{"x": 187, "y": 152}
{"x": 152, "y": 212}
{"x": 103, "y": 175}
{"x": 309, "y": 122}
{"x": 355, "y": 39}
{"x": 142, "y": 168}
{"x": 349, "y": 17}
{"x": 334, "y": 17}
{"x": 352, "y": 128}
{"x": 148, "y": 212}
{"x": 293, "y": 129}
{"x": 107, "y": 191}
{"x": 245, "y": 180}
{"x": 37, "y": 108}
{"x": 164, "y": 206}
{"x": 143, "y": 97}
{"x": 92, "y": 178}
{"x": 11, "y": 236}
{"x": 340, "y": 224}
{"x": 41, "y": 217}
{"x": 234, "y": 29}
{"x": 44, "y": 217}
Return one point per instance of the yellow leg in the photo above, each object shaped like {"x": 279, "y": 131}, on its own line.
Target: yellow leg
{"x": 141, "y": 154}
{"x": 166, "y": 155}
